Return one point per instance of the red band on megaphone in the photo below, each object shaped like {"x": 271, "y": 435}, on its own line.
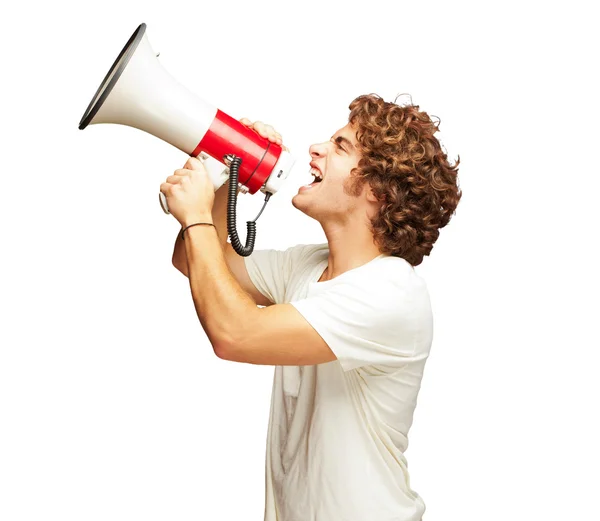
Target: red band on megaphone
{"x": 227, "y": 135}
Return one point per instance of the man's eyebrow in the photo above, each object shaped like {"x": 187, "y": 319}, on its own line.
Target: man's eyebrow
{"x": 345, "y": 141}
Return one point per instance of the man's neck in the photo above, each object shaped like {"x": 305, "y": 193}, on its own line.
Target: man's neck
{"x": 349, "y": 247}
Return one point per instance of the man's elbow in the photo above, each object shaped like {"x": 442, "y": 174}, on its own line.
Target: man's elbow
{"x": 229, "y": 345}
{"x": 224, "y": 349}
{"x": 221, "y": 353}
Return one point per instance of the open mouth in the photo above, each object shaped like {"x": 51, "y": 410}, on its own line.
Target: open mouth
{"x": 317, "y": 175}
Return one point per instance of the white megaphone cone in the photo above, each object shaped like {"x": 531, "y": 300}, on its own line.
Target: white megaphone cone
{"x": 140, "y": 93}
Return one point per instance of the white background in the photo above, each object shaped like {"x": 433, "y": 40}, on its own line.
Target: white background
{"x": 112, "y": 403}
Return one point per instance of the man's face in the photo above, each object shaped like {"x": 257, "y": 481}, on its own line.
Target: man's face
{"x": 330, "y": 199}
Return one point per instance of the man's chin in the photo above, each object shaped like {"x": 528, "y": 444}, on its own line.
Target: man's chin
{"x": 295, "y": 201}
{"x": 298, "y": 205}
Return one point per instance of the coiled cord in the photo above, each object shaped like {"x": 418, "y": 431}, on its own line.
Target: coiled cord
{"x": 244, "y": 251}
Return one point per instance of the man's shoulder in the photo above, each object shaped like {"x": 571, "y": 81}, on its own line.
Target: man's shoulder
{"x": 388, "y": 268}
{"x": 288, "y": 253}
{"x": 318, "y": 247}
{"x": 305, "y": 253}
{"x": 389, "y": 275}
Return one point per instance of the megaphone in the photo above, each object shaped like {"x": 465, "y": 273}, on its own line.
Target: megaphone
{"x": 138, "y": 92}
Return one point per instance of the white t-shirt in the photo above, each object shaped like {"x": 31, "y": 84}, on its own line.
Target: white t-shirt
{"x": 337, "y": 431}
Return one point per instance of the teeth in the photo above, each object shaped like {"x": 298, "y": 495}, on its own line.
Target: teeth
{"x": 315, "y": 172}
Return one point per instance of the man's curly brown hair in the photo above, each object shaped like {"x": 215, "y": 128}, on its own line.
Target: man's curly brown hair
{"x": 407, "y": 170}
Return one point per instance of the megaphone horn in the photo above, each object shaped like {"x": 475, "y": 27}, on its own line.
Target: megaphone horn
{"x": 138, "y": 92}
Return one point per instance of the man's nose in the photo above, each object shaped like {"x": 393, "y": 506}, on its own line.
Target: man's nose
{"x": 317, "y": 150}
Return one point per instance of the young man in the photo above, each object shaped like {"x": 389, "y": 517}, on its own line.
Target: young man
{"x": 347, "y": 323}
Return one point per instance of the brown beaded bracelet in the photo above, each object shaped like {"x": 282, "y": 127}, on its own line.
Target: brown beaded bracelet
{"x": 195, "y": 224}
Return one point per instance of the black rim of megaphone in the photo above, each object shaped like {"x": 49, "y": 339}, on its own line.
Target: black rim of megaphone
{"x": 127, "y": 51}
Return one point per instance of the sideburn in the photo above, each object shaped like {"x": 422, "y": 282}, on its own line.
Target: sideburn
{"x": 353, "y": 186}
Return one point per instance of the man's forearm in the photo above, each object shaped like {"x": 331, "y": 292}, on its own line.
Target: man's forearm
{"x": 221, "y": 304}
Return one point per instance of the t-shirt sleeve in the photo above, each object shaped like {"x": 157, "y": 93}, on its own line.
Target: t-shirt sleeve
{"x": 385, "y": 322}
{"x": 270, "y": 270}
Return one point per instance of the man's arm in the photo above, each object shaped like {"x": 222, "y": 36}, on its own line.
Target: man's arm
{"x": 234, "y": 261}
{"x": 226, "y": 299}
{"x": 237, "y": 329}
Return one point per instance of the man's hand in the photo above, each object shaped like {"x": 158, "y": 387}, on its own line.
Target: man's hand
{"x": 264, "y": 130}
{"x": 190, "y": 193}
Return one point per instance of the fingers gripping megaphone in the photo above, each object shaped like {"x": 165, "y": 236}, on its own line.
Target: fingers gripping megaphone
{"x": 138, "y": 92}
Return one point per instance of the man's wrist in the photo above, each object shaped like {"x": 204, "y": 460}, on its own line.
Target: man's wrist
{"x": 192, "y": 225}
{"x": 207, "y": 218}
